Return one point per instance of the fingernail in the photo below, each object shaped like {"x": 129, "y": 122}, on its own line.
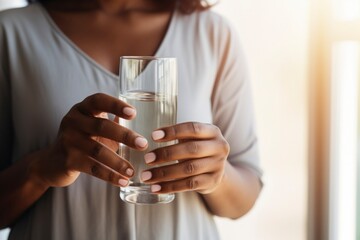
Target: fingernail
{"x": 123, "y": 182}
{"x": 146, "y": 175}
{"x": 141, "y": 142}
{"x": 155, "y": 188}
{"x": 149, "y": 157}
{"x": 158, "y": 134}
{"x": 129, "y": 172}
{"x": 129, "y": 111}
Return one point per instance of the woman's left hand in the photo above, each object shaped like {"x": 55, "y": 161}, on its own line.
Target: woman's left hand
{"x": 201, "y": 153}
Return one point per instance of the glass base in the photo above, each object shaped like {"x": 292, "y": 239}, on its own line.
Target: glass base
{"x": 143, "y": 195}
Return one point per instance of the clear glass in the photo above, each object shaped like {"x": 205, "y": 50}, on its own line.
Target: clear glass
{"x": 150, "y": 85}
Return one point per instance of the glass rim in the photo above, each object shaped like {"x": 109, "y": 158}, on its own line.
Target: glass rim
{"x": 146, "y": 58}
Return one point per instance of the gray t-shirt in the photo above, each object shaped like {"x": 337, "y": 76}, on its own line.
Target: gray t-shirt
{"x": 43, "y": 74}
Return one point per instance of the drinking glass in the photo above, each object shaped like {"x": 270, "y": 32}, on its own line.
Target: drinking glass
{"x": 150, "y": 85}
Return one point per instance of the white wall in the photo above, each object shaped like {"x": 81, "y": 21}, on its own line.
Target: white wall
{"x": 275, "y": 37}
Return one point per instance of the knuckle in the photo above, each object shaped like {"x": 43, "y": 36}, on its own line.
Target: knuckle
{"x": 66, "y": 121}
{"x": 190, "y": 168}
{"x": 97, "y": 97}
{"x": 196, "y": 127}
{"x": 192, "y": 147}
{"x": 125, "y": 137}
{"x": 75, "y": 108}
{"x": 115, "y": 106}
{"x": 111, "y": 176}
{"x": 165, "y": 153}
{"x": 96, "y": 150}
{"x": 95, "y": 170}
{"x": 192, "y": 184}
{"x": 158, "y": 173}
{"x": 161, "y": 173}
{"x": 100, "y": 125}
{"x": 171, "y": 188}
{"x": 225, "y": 146}
{"x": 168, "y": 187}
{"x": 217, "y": 130}
{"x": 121, "y": 167}
{"x": 171, "y": 131}
{"x": 94, "y": 99}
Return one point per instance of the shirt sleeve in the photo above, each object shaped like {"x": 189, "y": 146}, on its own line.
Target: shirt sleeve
{"x": 5, "y": 106}
{"x": 232, "y": 105}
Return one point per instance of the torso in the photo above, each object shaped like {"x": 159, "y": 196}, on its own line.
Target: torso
{"x": 106, "y": 37}
{"x": 55, "y": 75}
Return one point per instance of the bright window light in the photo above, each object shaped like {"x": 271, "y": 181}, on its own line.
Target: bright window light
{"x": 344, "y": 140}
{"x": 346, "y": 10}
{"x": 5, "y": 4}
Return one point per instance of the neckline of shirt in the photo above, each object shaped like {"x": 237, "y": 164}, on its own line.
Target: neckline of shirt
{"x": 90, "y": 59}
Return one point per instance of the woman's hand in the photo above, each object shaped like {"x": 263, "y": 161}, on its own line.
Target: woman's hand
{"x": 87, "y": 141}
{"x": 201, "y": 153}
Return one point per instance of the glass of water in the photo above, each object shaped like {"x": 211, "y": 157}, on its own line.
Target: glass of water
{"x": 150, "y": 85}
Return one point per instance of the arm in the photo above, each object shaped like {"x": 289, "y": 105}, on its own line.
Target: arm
{"x": 233, "y": 114}
{"x": 85, "y": 143}
{"x": 228, "y": 181}
{"x": 236, "y": 194}
{"x": 202, "y": 152}
{"x": 19, "y": 189}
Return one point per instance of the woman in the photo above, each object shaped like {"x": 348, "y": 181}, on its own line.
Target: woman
{"x": 60, "y": 177}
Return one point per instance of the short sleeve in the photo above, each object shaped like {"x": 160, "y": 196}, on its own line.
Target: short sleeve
{"x": 5, "y": 106}
{"x": 232, "y": 105}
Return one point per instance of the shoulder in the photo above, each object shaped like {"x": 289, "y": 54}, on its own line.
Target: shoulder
{"x": 208, "y": 27}
{"x": 21, "y": 25}
{"x": 18, "y": 17}
{"x": 212, "y": 19}
{"x": 209, "y": 31}
{"x": 19, "y": 28}
{"x": 207, "y": 20}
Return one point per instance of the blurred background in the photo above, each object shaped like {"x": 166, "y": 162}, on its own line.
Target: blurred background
{"x": 304, "y": 61}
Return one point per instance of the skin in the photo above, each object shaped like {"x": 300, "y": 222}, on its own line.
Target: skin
{"x": 87, "y": 140}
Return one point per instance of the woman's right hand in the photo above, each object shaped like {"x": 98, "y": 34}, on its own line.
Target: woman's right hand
{"x": 85, "y": 143}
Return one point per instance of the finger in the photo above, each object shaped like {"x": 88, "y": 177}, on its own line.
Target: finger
{"x": 102, "y": 154}
{"x": 88, "y": 165}
{"x": 182, "y": 151}
{"x": 180, "y": 170}
{"x": 96, "y": 126}
{"x": 196, "y": 183}
{"x": 189, "y": 130}
{"x": 114, "y": 146}
{"x": 101, "y": 102}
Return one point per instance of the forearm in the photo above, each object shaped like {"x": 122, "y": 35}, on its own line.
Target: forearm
{"x": 19, "y": 189}
{"x": 236, "y": 194}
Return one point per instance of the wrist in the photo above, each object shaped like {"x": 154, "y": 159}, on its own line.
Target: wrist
{"x": 34, "y": 170}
